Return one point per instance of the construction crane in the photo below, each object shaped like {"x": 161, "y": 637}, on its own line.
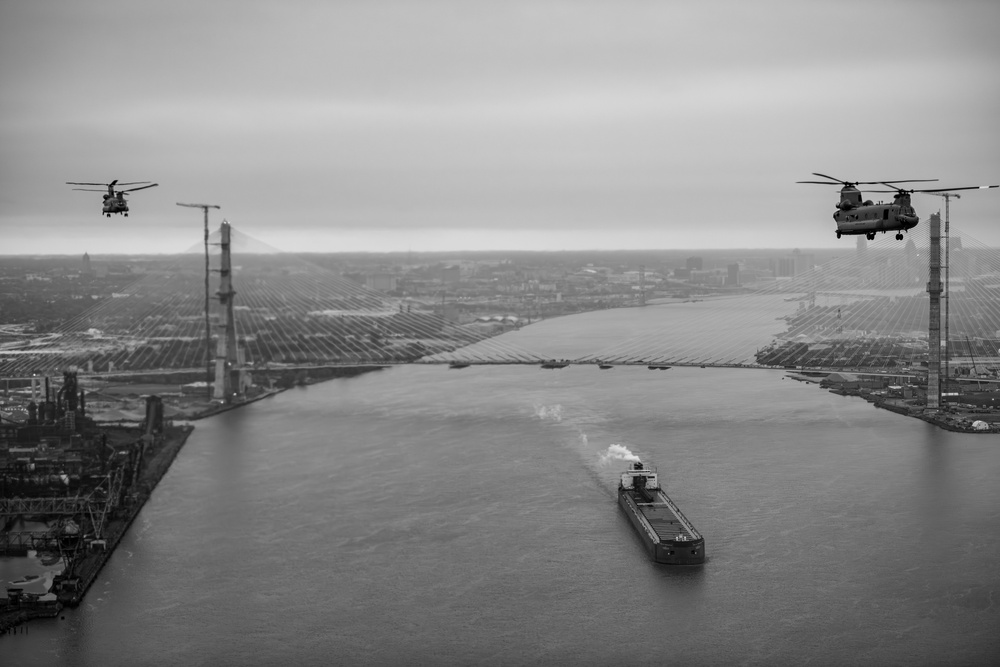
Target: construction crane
{"x": 208, "y": 329}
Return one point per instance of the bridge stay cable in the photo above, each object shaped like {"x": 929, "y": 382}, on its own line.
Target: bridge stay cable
{"x": 868, "y": 306}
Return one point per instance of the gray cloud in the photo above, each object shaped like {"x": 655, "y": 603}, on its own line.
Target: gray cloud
{"x": 583, "y": 121}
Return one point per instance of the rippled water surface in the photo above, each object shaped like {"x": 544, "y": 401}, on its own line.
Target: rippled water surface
{"x": 420, "y": 515}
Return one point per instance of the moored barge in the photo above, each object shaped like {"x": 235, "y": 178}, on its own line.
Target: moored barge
{"x": 667, "y": 534}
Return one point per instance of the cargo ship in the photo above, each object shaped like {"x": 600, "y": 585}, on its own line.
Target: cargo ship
{"x": 667, "y": 534}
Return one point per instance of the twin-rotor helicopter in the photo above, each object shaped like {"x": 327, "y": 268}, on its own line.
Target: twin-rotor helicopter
{"x": 857, "y": 216}
{"x": 114, "y": 200}
{"x": 854, "y": 216}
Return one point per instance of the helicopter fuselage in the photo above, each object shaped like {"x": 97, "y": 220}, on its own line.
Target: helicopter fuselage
{"x": 115, "y": 204}
{"x": 875, "y": 218}
{"x": 854, "y": 216}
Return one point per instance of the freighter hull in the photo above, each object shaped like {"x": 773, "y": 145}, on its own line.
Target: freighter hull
{"x": 665, "y": 532}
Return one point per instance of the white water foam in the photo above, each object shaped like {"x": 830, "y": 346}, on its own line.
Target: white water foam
{"x": 551, "y": 413}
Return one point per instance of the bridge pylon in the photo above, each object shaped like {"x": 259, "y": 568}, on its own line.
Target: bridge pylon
{"x": 228, "y": 365}
{"x": 934, "y": 289}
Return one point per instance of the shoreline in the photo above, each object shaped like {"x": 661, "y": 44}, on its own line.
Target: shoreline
{"x": 85, "y": 571}
{"x": 89, "y": 566}
{"x": 941, "y": 420}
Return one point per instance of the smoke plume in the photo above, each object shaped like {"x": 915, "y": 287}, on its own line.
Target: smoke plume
{"x": 618, "y": 453}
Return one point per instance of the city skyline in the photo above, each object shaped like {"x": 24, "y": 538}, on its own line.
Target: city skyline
{"x": 444, "y": 126}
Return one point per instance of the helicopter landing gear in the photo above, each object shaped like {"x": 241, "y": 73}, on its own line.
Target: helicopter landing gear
{"x": 838, "y": 235}
{"x": 108, "y": 214}
{"x": 870, "y": 237}
{"x": 126, "y": 215}
{"x": 899, "y": 237}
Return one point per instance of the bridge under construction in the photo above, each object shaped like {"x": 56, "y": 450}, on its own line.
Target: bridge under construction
{"x": 876, "y": 309}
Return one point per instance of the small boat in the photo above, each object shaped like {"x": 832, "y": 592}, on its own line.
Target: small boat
{"x": 49, "y": 558}
{"x": 456, "y": 364}
{"x": 605, "y": 367}
{"x": 658, "y": 368}
{"x": 554, "y": 365}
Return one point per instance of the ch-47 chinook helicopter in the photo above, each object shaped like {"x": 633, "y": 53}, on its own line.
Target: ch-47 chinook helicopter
{"x": 857, "y": 216}
{"x": 114, "y": 200}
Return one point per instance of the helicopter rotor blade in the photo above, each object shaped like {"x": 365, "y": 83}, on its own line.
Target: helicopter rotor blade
{"x": 89, "y": 190}
{"x": 108, "y": 185}
{"x": 855, "y": 183}
{"x": 970, "y": 187}
{"x": 904, "y": 191}
{"x": 142, "y": 188}
{"x": 830, "y": 177}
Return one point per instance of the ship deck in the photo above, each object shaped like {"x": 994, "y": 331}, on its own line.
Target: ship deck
{"x": 666, "y": 519}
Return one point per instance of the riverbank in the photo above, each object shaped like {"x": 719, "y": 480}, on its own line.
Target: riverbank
{"x": 949, "y": 417}
{"x": 10, "y": 620}
{"x": 957, "y": 422}
{"x": 79, "y": 577}
{"x": 71, "y": 586}
{"x": 122, "y": 400}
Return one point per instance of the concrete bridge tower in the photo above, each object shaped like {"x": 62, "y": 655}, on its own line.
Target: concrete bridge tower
{"x": 228, "y": 385}
{"x": 934, "y": 289}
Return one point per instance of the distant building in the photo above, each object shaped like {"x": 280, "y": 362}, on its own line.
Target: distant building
{"x": 804, "y": 262}
{"x": 694, "y": 264}
{"x": 451, "y": 274}
{"x": 783, "y": 267}
{"x": 795, "y": 264}
{"x": 381, "y": 282}
{"x": 733, "y": 275}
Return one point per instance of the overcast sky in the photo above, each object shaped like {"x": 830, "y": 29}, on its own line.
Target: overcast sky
{"x": 427, "y": 125}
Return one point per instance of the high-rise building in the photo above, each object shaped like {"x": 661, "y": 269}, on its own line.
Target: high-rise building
{"x": 803, "y": 262}
{"x": 793, "y": 265}
{"x": 733, "y": 275}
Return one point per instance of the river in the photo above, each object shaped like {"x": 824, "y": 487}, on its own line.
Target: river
{"x": 425, "y": 516}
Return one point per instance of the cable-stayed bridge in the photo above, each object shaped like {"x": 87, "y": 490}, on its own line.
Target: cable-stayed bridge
{"x": 868, "y": 309}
